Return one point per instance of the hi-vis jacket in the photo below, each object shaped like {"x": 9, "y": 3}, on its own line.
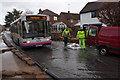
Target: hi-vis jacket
{"x": 86, "y": 33}
{"x": 90, "y": 32}
{"x": 80, "y": 35}
{"x": 66, "y": 33}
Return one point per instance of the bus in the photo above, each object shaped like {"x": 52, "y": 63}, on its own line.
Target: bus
{"x": 31, "y": 30}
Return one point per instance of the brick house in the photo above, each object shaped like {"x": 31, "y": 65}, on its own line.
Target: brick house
{"x": 53, "y": 16}
{"x": 69, "y": 18}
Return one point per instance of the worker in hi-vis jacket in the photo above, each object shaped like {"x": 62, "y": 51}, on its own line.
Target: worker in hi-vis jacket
{"x": 66, "y": 34}
{"x": 81, "y": 37}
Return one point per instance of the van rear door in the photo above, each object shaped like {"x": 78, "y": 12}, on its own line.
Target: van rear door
{"x": 92, "y": 35}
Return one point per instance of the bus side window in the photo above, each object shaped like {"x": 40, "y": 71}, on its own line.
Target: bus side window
{"x": 23, "y": 27}
{"x": 19, "y": 28}
{"x": 16, "y": 28}
{"x": 13, "y": 28}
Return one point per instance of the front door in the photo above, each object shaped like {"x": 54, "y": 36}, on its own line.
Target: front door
{"x": 92, "y": 35}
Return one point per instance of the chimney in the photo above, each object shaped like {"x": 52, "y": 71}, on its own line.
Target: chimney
{"x": 68, "y": 11}
{"x": 40, "y": 11}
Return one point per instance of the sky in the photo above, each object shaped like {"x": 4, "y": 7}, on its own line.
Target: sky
{"x": 57, "y": 6}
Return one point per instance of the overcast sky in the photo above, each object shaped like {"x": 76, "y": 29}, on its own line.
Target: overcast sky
{"x": 57, "y": 6}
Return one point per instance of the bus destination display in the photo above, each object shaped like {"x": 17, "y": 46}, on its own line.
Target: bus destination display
{"x": 35, "y": 18}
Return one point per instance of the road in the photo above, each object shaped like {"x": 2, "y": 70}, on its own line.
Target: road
{"x": 68, "y": 63}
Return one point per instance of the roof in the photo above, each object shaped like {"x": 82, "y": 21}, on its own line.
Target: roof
{"x": 91, "y": 6}
{"x": 48, "y": 12}
{"x": 69, "y": 16}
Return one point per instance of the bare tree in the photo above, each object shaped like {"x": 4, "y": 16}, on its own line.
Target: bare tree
{"x": 109, "y": 13}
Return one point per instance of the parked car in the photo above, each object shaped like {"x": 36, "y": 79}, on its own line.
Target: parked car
{"x": 106, "y": 39}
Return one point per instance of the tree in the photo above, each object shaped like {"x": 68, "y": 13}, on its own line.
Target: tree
{"x": 11, "y": 16}
{"x": 109, "y": 13}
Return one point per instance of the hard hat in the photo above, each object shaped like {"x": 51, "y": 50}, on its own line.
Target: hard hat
{"x": 81, "y": 27}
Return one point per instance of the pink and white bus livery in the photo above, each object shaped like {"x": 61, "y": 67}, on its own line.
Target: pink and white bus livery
{"x": 31, "y": 30}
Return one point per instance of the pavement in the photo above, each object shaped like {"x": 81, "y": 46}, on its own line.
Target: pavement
{"x": 14, "y": 65}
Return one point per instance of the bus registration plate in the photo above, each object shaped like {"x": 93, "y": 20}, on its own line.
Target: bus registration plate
{"x": 38, "y": 45}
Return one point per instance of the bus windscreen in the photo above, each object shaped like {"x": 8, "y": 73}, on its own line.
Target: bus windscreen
{"x": 35, "y": 29}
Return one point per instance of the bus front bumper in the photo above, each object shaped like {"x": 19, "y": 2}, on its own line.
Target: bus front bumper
{"x": 37, "y": 44}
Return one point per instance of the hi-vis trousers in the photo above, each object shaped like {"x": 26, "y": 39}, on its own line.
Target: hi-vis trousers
{"x": 82, "y": 41}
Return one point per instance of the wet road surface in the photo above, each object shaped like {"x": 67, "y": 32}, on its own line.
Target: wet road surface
{"x": 68, "y": 63}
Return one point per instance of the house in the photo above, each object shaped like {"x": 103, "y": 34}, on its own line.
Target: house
{"x": 53, "y": 16}
{"x": 69, "y": 18}
{"x": 58, "y": 27}
{"x": 66, "y": 18}
{"x": 88, "y": 14}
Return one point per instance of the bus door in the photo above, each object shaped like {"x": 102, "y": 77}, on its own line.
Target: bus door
{"x": 92, "y": 35}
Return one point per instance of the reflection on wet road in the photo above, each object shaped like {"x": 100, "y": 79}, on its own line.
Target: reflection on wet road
{"x": 68, "y": 63}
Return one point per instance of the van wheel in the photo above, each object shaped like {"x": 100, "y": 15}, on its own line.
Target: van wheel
{"x": 103, "y": 51}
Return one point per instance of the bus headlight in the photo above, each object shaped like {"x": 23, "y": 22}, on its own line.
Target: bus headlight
{"x": 48, "y": 39}
{"x": 28, "y": 41}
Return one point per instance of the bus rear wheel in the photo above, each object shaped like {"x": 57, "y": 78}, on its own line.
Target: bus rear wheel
{"x": 103, "y": 51}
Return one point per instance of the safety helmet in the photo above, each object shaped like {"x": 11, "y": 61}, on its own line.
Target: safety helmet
{"x": 80, "y": 28}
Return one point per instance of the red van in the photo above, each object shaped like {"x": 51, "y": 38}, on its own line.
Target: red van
{"x": 106, "y": 39}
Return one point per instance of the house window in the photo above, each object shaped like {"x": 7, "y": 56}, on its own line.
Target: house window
{"x": 93, "y": 14}
{"x": 71, "y": 20}
{"x": 55, "y": 18}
